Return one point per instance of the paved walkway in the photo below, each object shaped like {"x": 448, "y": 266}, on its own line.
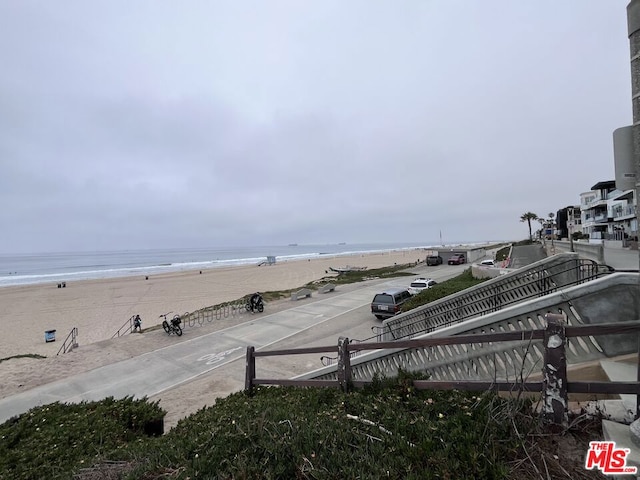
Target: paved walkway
{"x": 156, "y": 371}
{"x": 618, "y": 258}
{"x": 523, "y": 255}
{"x": 622, "y": 259}
{"x": 159, "y": 370}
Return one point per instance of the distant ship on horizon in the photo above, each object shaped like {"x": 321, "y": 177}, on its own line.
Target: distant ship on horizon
{"x": 342, "y": 243}
{"x": 293, "y": 244}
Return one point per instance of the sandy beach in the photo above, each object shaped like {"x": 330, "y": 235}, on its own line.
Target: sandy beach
{"x": 98, "y": 308}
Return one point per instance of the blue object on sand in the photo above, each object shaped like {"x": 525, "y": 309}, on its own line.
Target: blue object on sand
{"x": 50, "y": 336}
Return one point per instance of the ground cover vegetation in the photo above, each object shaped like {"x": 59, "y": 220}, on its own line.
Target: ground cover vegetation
{"x": 389, "y": 429}
{"x": 503, "y": 253}
{"x": 354, "y": 276}
{"x": 449, "y": 287}
{"x": 24, "y": 355}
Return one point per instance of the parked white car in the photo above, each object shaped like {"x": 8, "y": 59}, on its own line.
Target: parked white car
{"x": 488, "y": 263}
{"x": 420, "y": 284}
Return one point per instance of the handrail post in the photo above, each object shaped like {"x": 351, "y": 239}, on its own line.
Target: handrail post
{"x": 344, "y": 364}
{"x": 554, "y": 406}
{"x": 250, "y": 371}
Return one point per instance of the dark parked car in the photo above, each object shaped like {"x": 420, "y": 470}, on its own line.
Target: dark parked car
{"x": 457, "y": 259}
{"x": 434, "y": 260}
{"x": 388, "y": 303}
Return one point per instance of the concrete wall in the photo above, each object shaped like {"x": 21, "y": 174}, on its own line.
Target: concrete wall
{"x": 585, "y": 250}
{"x": 620, "y": 304}
{"x": 471, "y": 255}
{"x": 476, "y": 254}
{"x": 488, "y": 272}
{"x": 623, "y": 158}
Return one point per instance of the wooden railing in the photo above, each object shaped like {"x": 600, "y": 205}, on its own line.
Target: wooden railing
{"x": 70, "y": 342}
{"x": 554, "y": 387}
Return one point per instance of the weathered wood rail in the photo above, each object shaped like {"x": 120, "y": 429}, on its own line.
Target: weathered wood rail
{"x": 555, "y": 385}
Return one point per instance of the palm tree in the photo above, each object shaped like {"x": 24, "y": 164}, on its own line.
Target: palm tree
{"x": 527, "y": 217}
{"x": 540, "y": 232}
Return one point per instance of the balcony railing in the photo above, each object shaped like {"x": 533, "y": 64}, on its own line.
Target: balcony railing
{"x": 597, "y": 202}
{"x": 624, "y": 211}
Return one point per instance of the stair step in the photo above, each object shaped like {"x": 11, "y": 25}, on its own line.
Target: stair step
{"x": 614, "y": 410}
{"x": 622, "y": 372}
{"x": 621, "y": 434}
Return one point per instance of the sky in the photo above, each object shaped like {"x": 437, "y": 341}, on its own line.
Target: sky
{"x": 163, "y": 124}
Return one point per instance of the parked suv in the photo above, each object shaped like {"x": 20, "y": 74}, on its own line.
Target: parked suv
{"x": 434, "y": 260}
{"x": 457, "y": 259}
{"x": 388, "y": 303}
{"x": 420, "y": 284}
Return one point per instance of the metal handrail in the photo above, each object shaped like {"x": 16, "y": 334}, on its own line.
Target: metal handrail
{"x": 448, "y": 363}
{"x": 129, "y": 326}
{"x": 496, "y": 295}
{"x": 210, "y": 314}
{"x": 190, "y": 319}
{"x": 73, "y": 335}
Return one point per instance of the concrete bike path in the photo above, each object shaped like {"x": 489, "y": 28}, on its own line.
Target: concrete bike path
{"x": 153, "y": 372}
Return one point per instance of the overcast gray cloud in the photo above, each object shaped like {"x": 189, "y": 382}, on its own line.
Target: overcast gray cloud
{"x": 192, "y": 124}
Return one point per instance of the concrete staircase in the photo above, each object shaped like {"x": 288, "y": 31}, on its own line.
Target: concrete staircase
{"x": 620, "y": 412}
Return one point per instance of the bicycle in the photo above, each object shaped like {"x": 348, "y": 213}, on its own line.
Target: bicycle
{"x": 258, "y": 304}
{"x": 172, "y": 326}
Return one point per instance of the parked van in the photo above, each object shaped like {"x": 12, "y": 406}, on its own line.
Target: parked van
{"x": 388, "y": 303}
{"x": 434, "y": 260}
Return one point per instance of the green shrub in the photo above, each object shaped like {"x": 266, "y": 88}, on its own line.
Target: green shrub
{"x": 454, "y": 285}
{"x": 54, "y": 440}
{"x": 503, "y": 254}
{"x": 389, "y": 429}
{"x": 324, "y": 433}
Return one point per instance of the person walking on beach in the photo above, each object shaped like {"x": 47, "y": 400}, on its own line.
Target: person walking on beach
{"x": 137, "y": 324}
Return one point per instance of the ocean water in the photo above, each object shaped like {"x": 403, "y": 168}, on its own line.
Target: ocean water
{"x": 25, "y": 269}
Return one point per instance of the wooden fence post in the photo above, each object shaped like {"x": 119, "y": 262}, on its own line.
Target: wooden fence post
{"x": 250, "y": 372}
{"x": 554, "y": 406}
{"x": 344, "y": 364}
